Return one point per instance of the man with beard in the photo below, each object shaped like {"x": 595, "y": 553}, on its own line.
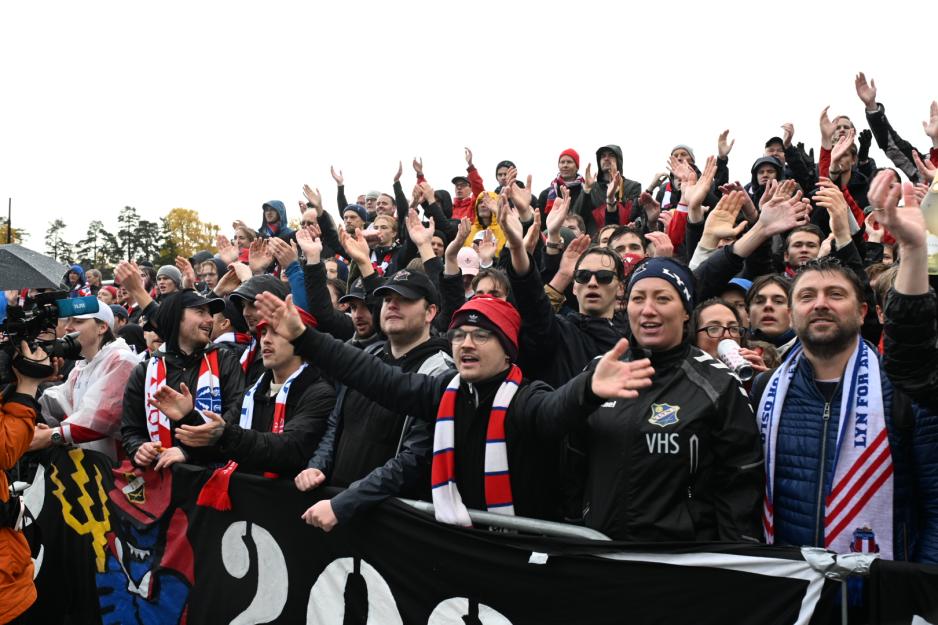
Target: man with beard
{"x": 845, "y": 462}
{"x": 185, "y": 361}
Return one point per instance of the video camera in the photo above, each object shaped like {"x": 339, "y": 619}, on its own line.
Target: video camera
{"x": 40, "y": 314}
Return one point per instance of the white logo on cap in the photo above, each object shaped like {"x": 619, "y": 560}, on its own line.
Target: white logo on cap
{"x": 403, "y": 274}
{"x": 473, "y": 318}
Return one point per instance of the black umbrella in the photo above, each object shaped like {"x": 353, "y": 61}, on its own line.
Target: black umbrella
{"x": 22, "y": 268}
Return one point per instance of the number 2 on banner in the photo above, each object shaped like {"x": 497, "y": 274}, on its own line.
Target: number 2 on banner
{"x": 272, "y": 586}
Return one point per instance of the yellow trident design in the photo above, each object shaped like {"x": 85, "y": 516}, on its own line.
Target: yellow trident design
{"x": 98, "y": 528}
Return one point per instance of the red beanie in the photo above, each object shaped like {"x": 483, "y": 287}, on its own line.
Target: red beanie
{"x": 503, "y": 319}
{"x": 572, "y": 154}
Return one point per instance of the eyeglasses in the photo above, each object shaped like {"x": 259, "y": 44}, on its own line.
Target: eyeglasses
{"x": 716, "y": 332}
{"x": 479, "y": 337}
{"x": 603, "y": 276}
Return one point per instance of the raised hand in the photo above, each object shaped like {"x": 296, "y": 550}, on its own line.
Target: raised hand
{"x": 418, "y": 166}
{"x": 650, "y": 206}
{"x": 533, "y": 234}
{"x": 459, "y": 240}
{"x": 338, "y": 177}
{"x": 723, "y": 148}
{"x": 227, "y": 251}
{"x": 521, "y": 198}
{"x": 931, "y": 126}
{"x": 282, "y": 315}
{"x": 429, "y": 195}
{"x": 468, "y": 157}
{"x": 874, "y": 234}
{"x": 694, "y": 193}
{"x": 418, "y": 233}
{"x": 572, "y": 254}
{"x": 588, "y": 178}
{"x": 259, "y": 256}
{"x": 613, "y": 188}
{"x": 866, "y": 91}
{"x": 783, "y": 213}
{"x": 310, "y": 243}
{"x": 906, "y": 223}
{"x": 488, "y": 246}
{"x": 314, "y": 197}
{"x": 663, "y": 248}
{"x": 925, "y": 168}
{"x": 843, "y": 146}
{"x": 827, "y": 129}
{"x": 399, "y": 172}
{"x": 356, "y": 246}
{"x": 831, "y": 198}
{"x": 721, "y": 222}
{"x": 614, "y": 378}
{"x": 188, "y": 273}
{"x": 174, "y": 404}
{"x": 284, "y": 252}
{"x": 558, "y": 213}
{"x": 510, "y": 222}
{"x": 788, "y": 133}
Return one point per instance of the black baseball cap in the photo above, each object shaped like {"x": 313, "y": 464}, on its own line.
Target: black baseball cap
{"x": 775, "y": 140}
{"x": 192, "y": 299}
{"x": 410, "y": 285}
{"x": 461, "y": 179}
{"x": 355, "y": 291}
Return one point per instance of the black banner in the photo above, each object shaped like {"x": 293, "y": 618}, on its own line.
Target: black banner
{"x": 118, "y": 547}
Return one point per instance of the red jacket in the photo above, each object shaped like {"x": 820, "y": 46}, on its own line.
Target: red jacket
{"x": 463, "y": 207}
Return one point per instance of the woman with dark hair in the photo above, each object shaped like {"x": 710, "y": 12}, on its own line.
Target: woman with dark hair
{"x": 86, "y": 409}
{"x": 715, "y": 320}
{"x": 682, "y": 461}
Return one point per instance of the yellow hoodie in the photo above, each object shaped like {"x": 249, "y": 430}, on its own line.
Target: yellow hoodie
{"x": 493, "y": 225}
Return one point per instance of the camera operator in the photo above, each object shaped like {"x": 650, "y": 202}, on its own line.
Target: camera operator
{"x": 86, "y": 409}
{"x": 18, "y": 410}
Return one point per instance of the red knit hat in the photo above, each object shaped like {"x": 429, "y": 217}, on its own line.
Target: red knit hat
{"x": 572, "y": 154}
{"x": 493, "y": 314}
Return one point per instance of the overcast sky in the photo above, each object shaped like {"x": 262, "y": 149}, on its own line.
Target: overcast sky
{"x": 221, "y": 106}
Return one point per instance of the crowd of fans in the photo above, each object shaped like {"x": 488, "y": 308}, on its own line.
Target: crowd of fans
{"x": 556, "y": 354}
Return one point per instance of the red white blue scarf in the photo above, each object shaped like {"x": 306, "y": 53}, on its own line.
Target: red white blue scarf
{"x": 447, "y": 502}
{"x": 215, "y": 491}
{"x": 207, "y": 394}
{"x": 247, "y": 356}
{"x": 859, "y": 507}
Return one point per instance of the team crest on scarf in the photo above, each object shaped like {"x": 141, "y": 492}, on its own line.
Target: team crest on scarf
{"x": 864, "y": 541}
{"x": 663, "y": 415}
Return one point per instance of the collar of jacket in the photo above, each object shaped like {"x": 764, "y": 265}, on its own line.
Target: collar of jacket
{"x": 662, "y": 360}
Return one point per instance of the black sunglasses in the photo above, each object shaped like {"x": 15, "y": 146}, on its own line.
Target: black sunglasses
{"x": 603, "y": 276}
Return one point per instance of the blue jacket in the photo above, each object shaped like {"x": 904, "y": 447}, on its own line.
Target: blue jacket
{"x": 284, "y": 231}
{"x": 802, "y": 457}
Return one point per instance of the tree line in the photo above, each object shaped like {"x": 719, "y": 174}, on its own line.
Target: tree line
{"x": 179, "y": 233}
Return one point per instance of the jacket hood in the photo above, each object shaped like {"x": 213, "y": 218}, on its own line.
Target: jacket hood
{"x": 766, "y": 160}
{"x": 166, "y": 321}
{"x": 421, "y": 352}
{"x": 281, "y": 210}
{"x": 446, "y": 202}
{"x": 81, "y": 274}
{"x": 615, "y": 150}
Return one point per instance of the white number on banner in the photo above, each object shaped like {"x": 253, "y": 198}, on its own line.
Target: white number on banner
{"x": 272, "y": 586}
{"x": 327, "y": 598}
{"x": 453, "y": 610}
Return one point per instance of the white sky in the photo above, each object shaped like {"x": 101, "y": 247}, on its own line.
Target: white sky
{"x": 220, "y": 106}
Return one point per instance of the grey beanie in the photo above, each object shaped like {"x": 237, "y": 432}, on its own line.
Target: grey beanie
{"x": 685, "y": 147}
{"x": 172, "y": 273}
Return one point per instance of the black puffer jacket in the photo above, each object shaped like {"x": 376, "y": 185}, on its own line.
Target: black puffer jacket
{"x": 682, "y": 462}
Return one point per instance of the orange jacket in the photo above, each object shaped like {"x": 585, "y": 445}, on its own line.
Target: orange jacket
{"x": 17, "y": 591}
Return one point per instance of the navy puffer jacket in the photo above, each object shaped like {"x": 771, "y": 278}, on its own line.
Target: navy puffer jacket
{"x": 802, "y": 457}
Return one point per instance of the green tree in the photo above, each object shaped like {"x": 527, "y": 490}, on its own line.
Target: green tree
{"x": 127, "y": 222}
{"x": 149, "y": 236}
{"x": 56, "y": 245}
{"x": 92, "y": 247}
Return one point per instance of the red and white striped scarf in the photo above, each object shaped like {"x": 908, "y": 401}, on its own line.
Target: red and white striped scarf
{"x": 207, "y": 394}
{"x": 247, "y": 356}
{"x": 861, "y": 499}
{"x": 447, "y": 502}
{"x": 215, "y": 491}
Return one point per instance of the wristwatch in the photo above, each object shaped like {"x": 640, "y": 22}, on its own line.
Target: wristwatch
{"x": 554, "y": 246}
{"x": 57, "y": 438}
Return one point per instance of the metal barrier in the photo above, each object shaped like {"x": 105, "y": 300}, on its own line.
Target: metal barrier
{"x": 519, "y": 523}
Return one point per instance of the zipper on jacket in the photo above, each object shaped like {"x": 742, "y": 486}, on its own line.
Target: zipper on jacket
{"x": 826, "y": 417}
{"x": 693, "y": 444}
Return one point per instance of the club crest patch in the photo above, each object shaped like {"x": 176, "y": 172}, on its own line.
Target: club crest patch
{"x": 663, "y": 415}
